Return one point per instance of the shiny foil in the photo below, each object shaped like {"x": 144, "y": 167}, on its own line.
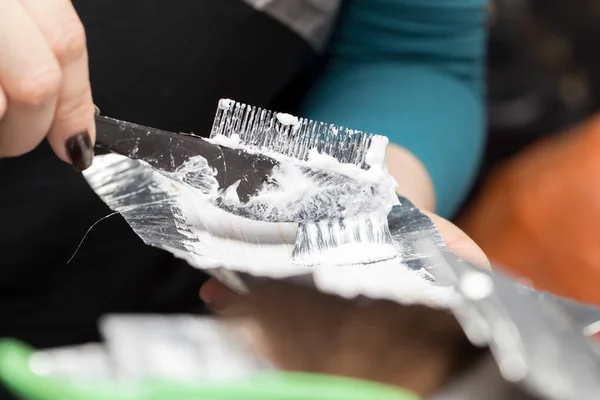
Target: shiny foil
{"x": 141, "y": 347}
{"x": 537, "y": 339}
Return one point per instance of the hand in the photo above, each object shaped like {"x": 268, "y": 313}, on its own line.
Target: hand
{"x": 217, "y": 296}
{"x": 296, "y": 328}
{"x": 44, "y": 81}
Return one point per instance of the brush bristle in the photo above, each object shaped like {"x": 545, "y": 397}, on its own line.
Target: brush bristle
{"x": 363, "y": 239}
{"x": 355, "y": 240}
{"x": 267, "y": 130}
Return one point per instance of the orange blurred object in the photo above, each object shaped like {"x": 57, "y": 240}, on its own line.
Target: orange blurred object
{"x": 538, "y": 214}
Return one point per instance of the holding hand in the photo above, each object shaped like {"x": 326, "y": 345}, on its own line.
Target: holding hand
{"x": 44, "y": 81}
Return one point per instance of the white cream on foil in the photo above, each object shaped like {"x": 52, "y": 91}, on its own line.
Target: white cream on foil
{"x": 222, "y": 239}
{"x": 217, "y": 238}
{"x": 232, "y": 142}
{"x": 231, "y": 192}
{"x": 374, "y": 158}
{"x": 389, "y": 279}
{"x": 347, "y": 190}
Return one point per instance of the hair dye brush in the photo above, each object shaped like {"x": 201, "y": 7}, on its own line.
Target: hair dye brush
{"x": 329, "y": 182}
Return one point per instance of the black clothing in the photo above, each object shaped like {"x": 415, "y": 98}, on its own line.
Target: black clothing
{"x": 158, "y": 63}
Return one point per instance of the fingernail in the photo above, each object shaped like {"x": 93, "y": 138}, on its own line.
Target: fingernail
{"x": 211, "y": 307}
{"x": 214, "y": 308}
{"x": 80, "y": 151}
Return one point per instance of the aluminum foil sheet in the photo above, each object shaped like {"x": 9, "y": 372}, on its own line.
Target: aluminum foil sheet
{"x": 537, "y": 339}
{"x": 140, "y": 347}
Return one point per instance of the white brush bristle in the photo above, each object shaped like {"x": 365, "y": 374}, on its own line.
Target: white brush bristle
{"x": 284, "y": 134}
{"x": 362, "y": 239}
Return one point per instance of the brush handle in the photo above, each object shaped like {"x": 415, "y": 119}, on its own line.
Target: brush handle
{"x": 168, "y": 152}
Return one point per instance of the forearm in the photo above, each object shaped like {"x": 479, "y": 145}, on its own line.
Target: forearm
{"x": 412, "y": 71}
{"x": 437, "y": 120}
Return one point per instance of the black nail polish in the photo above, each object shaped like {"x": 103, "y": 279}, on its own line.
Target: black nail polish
{"x": 80, "y": 151}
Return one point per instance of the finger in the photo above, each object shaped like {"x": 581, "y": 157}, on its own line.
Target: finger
{"x": 30, "y": 77}
{"x": 73, "y": 131}
{"x": 459, "y": 242}
{"x": 3, "y": 103}
{"x": 216, "y": 295}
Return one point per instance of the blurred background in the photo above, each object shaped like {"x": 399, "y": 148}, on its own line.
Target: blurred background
{"x": 544, "y": 70}
{"x": 535, "y": 210}
{"x": 536, "y": 207}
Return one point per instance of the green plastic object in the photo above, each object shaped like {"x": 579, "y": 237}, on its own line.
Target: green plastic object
{"x": 18, "y": 377}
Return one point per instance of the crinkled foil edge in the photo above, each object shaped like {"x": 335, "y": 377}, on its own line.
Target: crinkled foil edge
{"x": 536, "y": 338}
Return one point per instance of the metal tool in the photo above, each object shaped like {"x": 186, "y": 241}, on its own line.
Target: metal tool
{"x": 168, "y": 152}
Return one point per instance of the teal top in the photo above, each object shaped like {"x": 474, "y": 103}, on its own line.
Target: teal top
{"x": 412, "y": 70}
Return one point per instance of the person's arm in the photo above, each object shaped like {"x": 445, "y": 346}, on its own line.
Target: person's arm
{"x": 411, "y": 70}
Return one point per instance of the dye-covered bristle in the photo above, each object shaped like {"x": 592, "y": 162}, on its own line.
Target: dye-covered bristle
{"x": 362, "y": 239}
{"x": 284, "y": 134}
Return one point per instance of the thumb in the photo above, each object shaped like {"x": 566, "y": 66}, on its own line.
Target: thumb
{"x": 459, "y": 242}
